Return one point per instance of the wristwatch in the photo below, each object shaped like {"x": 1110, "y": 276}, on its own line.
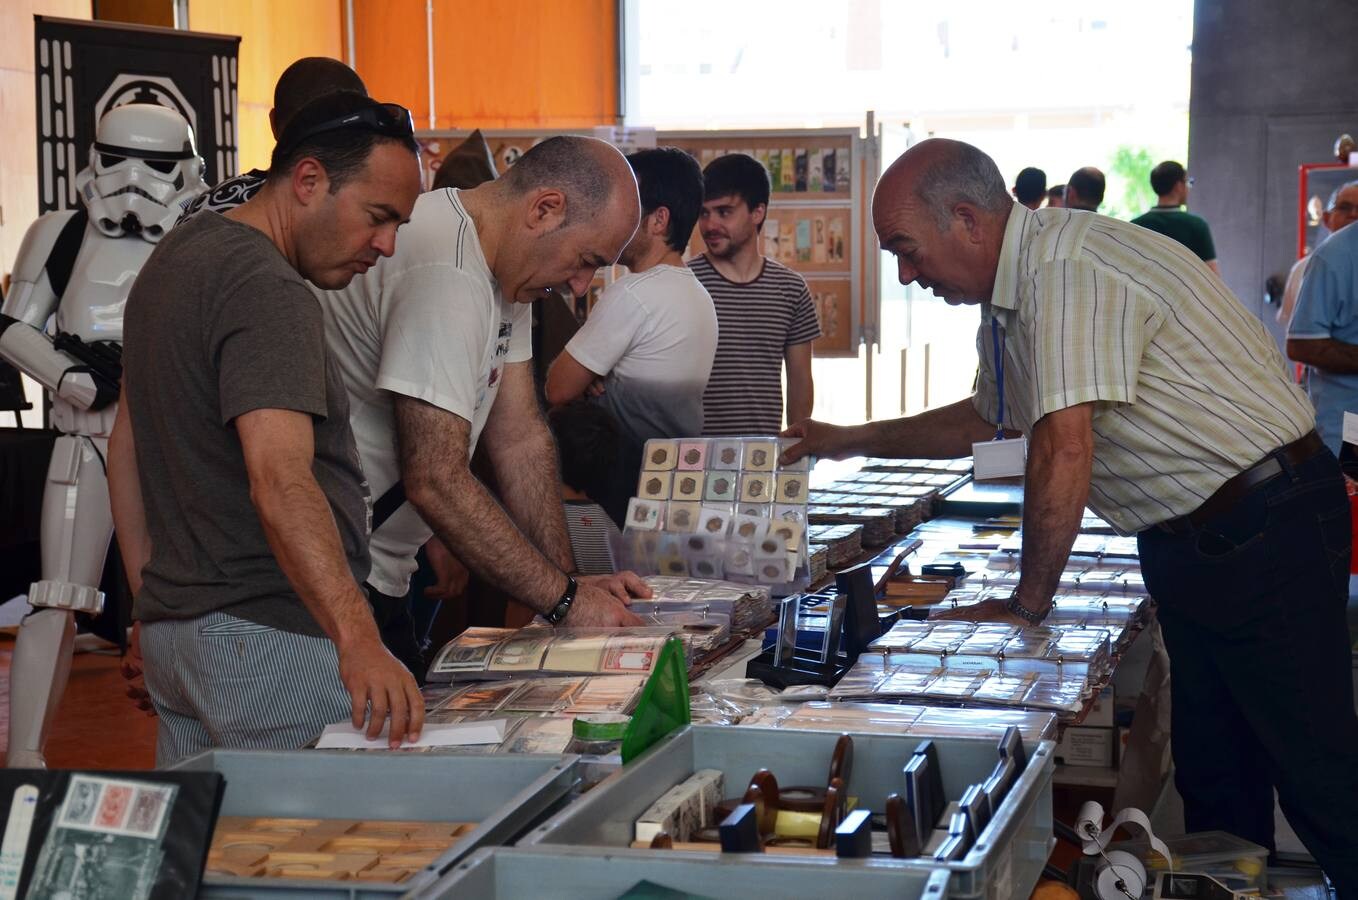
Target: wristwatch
{"x": 557, "y": 614}
{"x": 1024, "y": 613}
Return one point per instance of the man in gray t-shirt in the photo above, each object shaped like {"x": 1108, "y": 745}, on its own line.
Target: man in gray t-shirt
{"x": 239, "y": 500}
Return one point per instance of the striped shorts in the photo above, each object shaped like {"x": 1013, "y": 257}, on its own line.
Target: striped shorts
{"x": 220, "y": 681}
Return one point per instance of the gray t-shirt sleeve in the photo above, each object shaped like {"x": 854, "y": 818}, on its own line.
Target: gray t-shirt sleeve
{"x": 268, "y": 344}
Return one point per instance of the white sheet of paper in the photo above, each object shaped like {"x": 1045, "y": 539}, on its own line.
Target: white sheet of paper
{"x": 344, "y": 736}
{"x": 1350, "y": 428}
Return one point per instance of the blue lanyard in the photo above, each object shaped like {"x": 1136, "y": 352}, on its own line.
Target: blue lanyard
{"x": 999, "y": 372}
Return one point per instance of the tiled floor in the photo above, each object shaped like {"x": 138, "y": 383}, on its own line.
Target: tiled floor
{"x": 96, "y": 727}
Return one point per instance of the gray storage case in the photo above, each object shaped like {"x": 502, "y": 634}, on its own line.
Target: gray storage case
{"x": 1005, "y": 862}
{"x": 505, "y": 794}
{"x": 579, "y": 873}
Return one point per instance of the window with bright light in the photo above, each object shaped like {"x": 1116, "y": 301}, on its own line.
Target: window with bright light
{"x": 1056, "y": 84}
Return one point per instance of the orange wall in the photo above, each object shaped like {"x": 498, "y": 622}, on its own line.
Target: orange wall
{"x": 497, "y": 63}
{"x": 273, "y": 34}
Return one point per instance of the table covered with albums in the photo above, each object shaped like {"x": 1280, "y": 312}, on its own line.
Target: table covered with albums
{"x": 638, "y": 763}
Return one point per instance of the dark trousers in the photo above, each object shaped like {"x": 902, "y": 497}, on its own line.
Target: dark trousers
{"x": 397, "y": 627}
{"x": 1252, "y": 607}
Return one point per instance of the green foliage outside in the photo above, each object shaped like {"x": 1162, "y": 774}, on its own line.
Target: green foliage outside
{"x": 1128, "y": 193}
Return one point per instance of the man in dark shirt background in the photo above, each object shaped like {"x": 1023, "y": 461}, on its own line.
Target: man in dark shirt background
{"x": 1171, "y": 183}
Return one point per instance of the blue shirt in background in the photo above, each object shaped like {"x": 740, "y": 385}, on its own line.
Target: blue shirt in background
{"x": 1327, "y": 307}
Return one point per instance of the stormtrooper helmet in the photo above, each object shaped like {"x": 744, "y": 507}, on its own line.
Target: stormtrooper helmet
{"x": 143, "y": 164}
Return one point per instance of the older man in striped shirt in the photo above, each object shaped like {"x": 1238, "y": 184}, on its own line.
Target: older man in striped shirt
{"x": 1147, "y": 392}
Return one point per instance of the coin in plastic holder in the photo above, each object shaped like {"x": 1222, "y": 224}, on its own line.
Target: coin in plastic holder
{"x": 770, "y": 546}
{"x": 774, "y": 569}
{"x": 760, "y": 456}
{"x": 724, "y": 455}
{"x": 688, "y": 486}
{"x": 739, "y": 559}
{"x": 643, "y": 515}
{"x": 700, "y": 545}
{"x": 714, "y": 521}
{"x": 692, "y": 455}
{"x": 706, "y": 567}
{"x": 645, "y": 543}
{"x": 655, "y": 485}
{"x": 789, "y": 512}
{"x": 721, "y": 486}
{"x": 791, "y": 487}
{"x": 672, "y": 565}
{"x": 801, "y": 465}
{"x": 755, "y": 510}
{"x": 660, "y": 455}
{"x": 789, "y": 533}
{"x": 682, "y": 517}
{"x": 756, "y": 487}
{"x": 748, "y": 528}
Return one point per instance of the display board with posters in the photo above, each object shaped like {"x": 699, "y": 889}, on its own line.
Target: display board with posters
{"x": 816, "y": 218}
{"x": 84, "y": 69}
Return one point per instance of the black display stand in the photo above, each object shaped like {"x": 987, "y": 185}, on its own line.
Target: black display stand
{"x": 852, "y": 625}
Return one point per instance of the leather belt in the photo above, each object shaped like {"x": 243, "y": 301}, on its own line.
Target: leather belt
{"x": 1235, "y": 488}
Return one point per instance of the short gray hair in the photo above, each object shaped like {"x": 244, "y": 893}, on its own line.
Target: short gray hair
{"x": 1334, "y": 195}
{"x": 961, "y": 173}
{"x": 568, "y": 163}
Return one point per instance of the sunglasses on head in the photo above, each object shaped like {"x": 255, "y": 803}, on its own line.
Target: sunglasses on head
{"x": 389, "y": 119}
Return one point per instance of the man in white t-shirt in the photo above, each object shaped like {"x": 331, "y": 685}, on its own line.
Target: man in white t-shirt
{"x": 434, "y": 346}
{"x": 646, "y": 350}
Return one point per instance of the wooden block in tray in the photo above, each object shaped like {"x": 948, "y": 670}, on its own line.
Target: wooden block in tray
{"x": 329, "y": 849}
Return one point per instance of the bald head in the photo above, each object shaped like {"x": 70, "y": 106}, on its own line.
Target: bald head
{"x": 571, "y": 206}
{"x": 938, "y": 174}
{"x": 941, "y": 210}
{"x": 594, "y": 177}
{"x": 1084, "y": 190}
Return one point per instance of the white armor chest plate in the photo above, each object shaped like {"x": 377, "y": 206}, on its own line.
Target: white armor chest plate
{"x": 92, "y": 308}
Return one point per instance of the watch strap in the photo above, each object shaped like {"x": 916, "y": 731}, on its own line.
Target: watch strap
{"x": 557, "y": 614}
{"x": 1024, "y": 613}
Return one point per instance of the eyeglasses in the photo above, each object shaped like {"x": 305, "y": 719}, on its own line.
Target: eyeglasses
{"x": 1347, "y": 209}
{"x": 390, "y": 119}
{"x": 1189, "y": 179}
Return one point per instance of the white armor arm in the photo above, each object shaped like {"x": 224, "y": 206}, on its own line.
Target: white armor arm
{"x": 29, "y": 304}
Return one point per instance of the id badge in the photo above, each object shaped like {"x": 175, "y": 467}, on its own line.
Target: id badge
{"x": 999, "y": 459}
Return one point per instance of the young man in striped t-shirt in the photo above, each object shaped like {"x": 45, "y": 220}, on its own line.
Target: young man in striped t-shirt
{"x": 765, "y": 317}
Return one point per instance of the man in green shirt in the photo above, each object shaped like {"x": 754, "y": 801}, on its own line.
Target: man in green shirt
{"x": 1171, "y": 183}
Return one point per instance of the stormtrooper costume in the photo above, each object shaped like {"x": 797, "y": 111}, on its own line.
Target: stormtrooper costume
{"x": 62, "y": 324}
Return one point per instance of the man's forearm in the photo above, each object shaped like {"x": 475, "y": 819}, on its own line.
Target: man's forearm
{"x": 1055, "y": 488}
{"x": 801, "y": 399}
{"x": 1325, "y": 354}
{"x": 302, "y": 534}
{"x": 944, "y": 433}
{"x": 464, "y": 515}
{"x": 481, "y": 533}
{"x": 124, "y": 492}
{"x": 530, "y": 486}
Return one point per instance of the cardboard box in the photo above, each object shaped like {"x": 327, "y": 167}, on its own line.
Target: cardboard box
{"x": 1082, "y": 745}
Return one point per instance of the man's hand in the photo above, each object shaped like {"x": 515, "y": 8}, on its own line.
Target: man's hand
{"x": 380, "y": 687}
{"x": 450, "y": 576}
{"x": 595, "y": 607}
{"x": 818, "y": 439}
{"x": 623, "y": 585}
{"x": 596, "y": 388}
{"x": 134, "y": 673}
{"x": 985, "y": 611}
